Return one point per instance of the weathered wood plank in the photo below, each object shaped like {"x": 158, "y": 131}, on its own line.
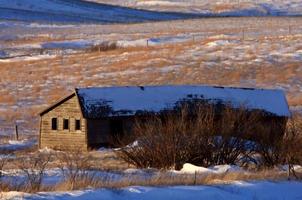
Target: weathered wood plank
{"x": 60, "y": 138}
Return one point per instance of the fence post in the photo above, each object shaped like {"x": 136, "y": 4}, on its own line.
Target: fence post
{"x": 16, "y": 132}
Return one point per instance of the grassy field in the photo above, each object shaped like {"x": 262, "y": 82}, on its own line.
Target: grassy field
{"x": 244, "y": 52}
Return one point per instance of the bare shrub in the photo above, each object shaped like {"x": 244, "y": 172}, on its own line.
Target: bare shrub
{"x": 269, "y": 143}
{"x": 230, "y": 144}
{"x": 34, "y": 169}
{"x": 105, "y": 46}
{"x": 164, "y": 142}
{"x": 76, "y": 169}
{"x": 198, "y": 135}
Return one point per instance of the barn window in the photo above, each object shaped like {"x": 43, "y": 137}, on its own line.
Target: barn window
{"x": 77, "y": 124}
{"x": 54, "y": 124}
{"x": 65, "y": 124}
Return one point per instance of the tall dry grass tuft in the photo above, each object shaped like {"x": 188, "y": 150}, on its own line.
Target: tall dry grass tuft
{"x": 291, "y": 150}
{"x": 76, "y": 169}
{"x": 168, "y": 179}
{"x": 3, "y": 161}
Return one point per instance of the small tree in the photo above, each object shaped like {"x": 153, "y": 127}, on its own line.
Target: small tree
{"x": 34, "y": 169}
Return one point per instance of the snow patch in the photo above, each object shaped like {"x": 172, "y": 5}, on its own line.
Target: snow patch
{"x": 160, "y": 3}
{"x": 27, "y": 58}
{"x": 218, "y": 43}
{"x": 219, "y": 169}
{"x": 17, "y": 145}
{"x": 79, "y": 44}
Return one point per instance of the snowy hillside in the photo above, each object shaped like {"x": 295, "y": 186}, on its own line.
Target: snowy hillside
{"x": 99, "y": 11}
{"x": 218, "y": 7}
{"x": 77, "y": 11}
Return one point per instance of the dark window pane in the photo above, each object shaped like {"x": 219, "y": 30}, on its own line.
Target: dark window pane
{"x": 66, "y": 124}
{"x": 78, "y": 124}
{"x": 54, "y": 124}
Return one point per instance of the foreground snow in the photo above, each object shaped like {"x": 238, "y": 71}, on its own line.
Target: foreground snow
{"x": 235, "y": 191}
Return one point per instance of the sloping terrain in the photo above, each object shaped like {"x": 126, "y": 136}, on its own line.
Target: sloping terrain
{"x": 78, "y": 11}
{"x": 217, "y": 7}
{"x": 128, "y": 11}
{"x": 244, "y": 52}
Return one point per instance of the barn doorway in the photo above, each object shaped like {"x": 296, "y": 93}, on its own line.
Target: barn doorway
{"x": 116, "y": 131}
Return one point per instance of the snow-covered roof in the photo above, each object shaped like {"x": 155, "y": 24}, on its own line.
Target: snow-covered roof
{"x": 122, "y": 101}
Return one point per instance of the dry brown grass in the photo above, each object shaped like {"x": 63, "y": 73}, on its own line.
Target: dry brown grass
{"x": 223, "y": 7}
{"x": 169, "y": 179}
{"x": 38, "y": 82}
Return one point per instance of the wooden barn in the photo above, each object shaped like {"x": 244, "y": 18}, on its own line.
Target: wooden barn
{"x": 90, "y": 117}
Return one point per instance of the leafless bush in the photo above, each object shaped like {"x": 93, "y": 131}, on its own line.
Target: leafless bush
{"x": 163, "y": 142}
{"x": 197, "y": 135}
{"x": 268, "y": 134}
{"x": 105, "y": 46}
{"x": 76, "y": 169}
{"x": 291, "y": 150}
{"x": 34, "y": 169}
{"x": 230, "y": 144}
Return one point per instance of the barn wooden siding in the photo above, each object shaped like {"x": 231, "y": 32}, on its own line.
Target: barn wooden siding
{"x": 64, "y": 139}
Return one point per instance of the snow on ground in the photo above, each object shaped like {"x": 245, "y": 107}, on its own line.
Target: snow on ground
{"x": 160, "y": 3}
{"x": 14, "y": 145}
{"x": 61, "y": 11}
{"x": 26, "y": 58}
{"x": 94, "y": 11}
{"x": 240, "y": 8}
{"x": 239, "y": 190}
{"x": 255, "y": 61}
{"x": 80, "y": 44}
{"x": 219, "y": 169}
{"x": 54, "y": 175}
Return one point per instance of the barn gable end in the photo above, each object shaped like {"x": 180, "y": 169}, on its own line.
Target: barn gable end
{"x": 68, "y": 138}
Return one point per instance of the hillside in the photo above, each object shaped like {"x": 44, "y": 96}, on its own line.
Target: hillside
{"x": 117, "y": 11}
{"x": 244, "y": 52}
{"x": 217, "y": 7}
{"x": 78, "y": 11}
